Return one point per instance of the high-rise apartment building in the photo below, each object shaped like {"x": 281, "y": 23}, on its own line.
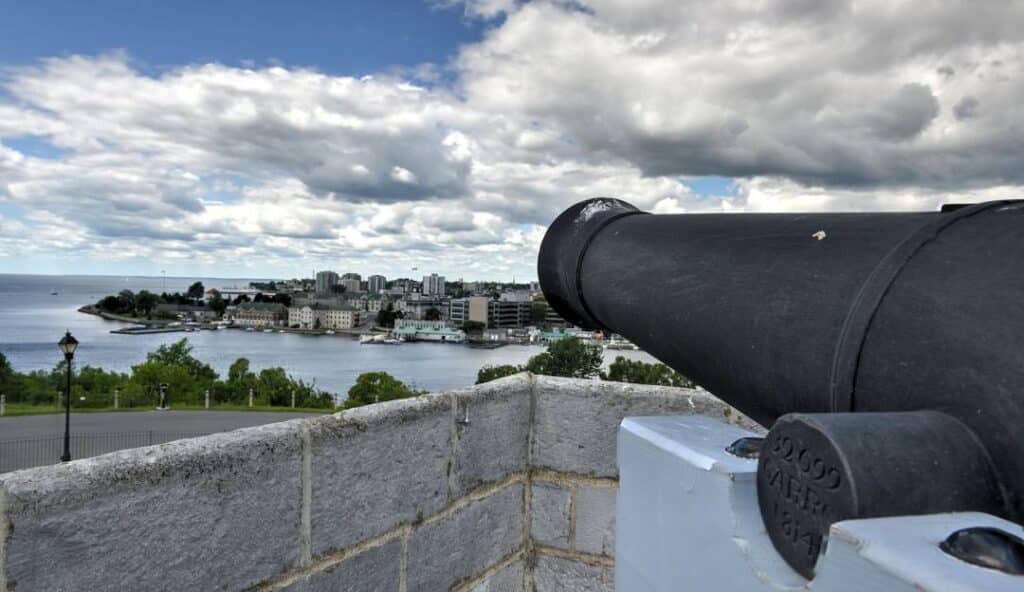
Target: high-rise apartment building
{"x": 433, "y": 285}
{"x": 376, "y": 284}
{"x": 325, "y": 282}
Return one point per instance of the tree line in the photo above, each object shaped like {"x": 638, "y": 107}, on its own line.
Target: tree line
{"x": 186, "y": 377}
{"x": 143, "y": 304}
{"x": 573, "y": 358}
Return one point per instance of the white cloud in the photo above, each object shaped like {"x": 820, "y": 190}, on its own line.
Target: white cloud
{"x": 810, "y": 104}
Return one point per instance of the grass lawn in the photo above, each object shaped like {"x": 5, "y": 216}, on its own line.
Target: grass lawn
{"x": 16, "y": 409}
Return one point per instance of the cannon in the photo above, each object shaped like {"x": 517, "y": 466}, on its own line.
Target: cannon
{"x": 885, "y": 351}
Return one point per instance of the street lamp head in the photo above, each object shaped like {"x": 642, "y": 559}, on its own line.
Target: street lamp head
{"x": 68, "y": 345}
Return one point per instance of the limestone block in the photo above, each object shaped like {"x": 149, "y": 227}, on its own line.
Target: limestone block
{"x": 509, "y": 579}
{"x": 212, "y": 513}
{"x": 550, "y": 505}
{"x": 466, "y": 542}
{"x": 577, "y": 420}
{"x": 555, "y": 574}
{"x": 492, "y": 426}
{"x": 374, "y": 570}
{"x": 595, "y": 520}
{"x": 378, "y": 466}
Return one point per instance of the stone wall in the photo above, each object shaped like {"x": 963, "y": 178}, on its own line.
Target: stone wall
{"x": 508, "y": 486}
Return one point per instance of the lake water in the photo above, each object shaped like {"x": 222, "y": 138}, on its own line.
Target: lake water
{"x": 32, "y": 321}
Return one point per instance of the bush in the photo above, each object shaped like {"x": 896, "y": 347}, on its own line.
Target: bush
{"x": 569, "y": 357}
{"x": 373, "y": 387}
{"x": 186, "y": 377}
{"x": 637, "y": 372}
{"x": 489, "y": 373}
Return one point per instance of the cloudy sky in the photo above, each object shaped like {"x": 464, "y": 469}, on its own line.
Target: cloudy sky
{"x": 252, "y": 139}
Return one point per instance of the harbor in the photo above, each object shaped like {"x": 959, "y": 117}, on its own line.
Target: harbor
{"x": 31, "y": 318}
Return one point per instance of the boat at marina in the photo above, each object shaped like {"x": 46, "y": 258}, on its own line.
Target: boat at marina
{"x": 621, "y": 345}
{"x": 380, "y": 339}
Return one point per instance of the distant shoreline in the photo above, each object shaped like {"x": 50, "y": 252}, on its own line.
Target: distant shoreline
{"x": 162, "y": 326}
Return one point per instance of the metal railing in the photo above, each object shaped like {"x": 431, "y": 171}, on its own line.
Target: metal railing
{"x": 35, "y": 452}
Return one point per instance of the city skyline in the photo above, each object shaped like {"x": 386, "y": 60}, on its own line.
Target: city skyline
{"x": 256, "y": 139}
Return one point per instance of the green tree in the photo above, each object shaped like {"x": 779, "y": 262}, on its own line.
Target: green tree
{"x": 111, "y": 304}
{"x": 181, "y": 385}
{"x": 217, "y": 304}
{"x": 97, "y": 386}
{"x": 569, "y": 357}
{"x": 274, "y": 387}
{"x": 7, "y": 375}
{"x": 196, "y": 291}
{"x": 386, "y": 316}
{"x": 236, "y": 388}
{"x": 538, "y": 312}
{"x": 489, "y": 373}
{"x": 372, "y": 387}
{"x": 145, "y": 302}
{"x": 432, "y": 314}
{"x": 127, "y": 299}
{"x": 179, "y": 353}
{"x": 239, "y": 370}
{"x": 637, "y": 372}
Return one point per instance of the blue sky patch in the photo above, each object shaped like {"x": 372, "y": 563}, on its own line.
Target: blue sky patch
{"x": 35, "y": 146}
{"x": 344, "y": 38}
{"x": 711, "y": 186}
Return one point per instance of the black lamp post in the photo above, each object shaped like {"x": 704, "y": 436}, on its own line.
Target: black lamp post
{"x": 68, "y": 345}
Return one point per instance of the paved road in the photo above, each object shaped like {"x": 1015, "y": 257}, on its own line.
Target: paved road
{"x": 34, "y": 440}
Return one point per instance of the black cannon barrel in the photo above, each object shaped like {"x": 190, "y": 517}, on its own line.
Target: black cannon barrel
{"x": 822, "y": 314}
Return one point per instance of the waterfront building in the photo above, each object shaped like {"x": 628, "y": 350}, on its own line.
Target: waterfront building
{"x": 420, "y": 323}
{"x": 376, "y": 284}
{"x": 259, "y": 314}
{"x": 339, "y": 318}
{"x": 501, "y": 313}
{"x": 433, "y": 285}
{"x": 325, "y": 282}
{"x": 185, "y": 311}
{"x": 473, "y": 308}
{"x": 435, "y": 332}
{"x": 508, "y": 313}
{"x": 321, "y": 316}
{"x": 495, "y": 335}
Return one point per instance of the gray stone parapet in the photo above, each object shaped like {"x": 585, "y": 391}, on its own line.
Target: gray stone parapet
{"x": 508, "y": 486}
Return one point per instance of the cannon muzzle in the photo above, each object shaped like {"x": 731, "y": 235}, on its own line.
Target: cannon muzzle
{"x": 885, "y": 350}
